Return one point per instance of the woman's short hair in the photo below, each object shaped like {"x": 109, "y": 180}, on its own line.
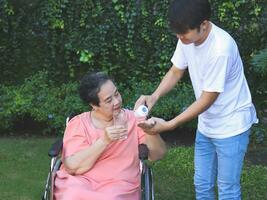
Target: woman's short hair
{"x": 90, "y": 86}
{"x": 185, "y": 15}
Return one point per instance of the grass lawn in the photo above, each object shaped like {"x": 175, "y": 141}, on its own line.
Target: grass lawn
{"x": 174, "y": 177}
{"x": 24, "y": 165}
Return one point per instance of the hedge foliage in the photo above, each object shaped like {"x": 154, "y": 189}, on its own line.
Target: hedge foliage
{"x": 125, "y": 38}
{"x": 39, "y": 99}
{"x": 43, "y": 101}
{"x": 259, "y": 66}
{"x": 47, "y": 45}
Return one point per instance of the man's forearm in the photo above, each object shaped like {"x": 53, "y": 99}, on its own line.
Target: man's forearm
{"x": 196, "y": 108}
{"x": 168, "y": 82}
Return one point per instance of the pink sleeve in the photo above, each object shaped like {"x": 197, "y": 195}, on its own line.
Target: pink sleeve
{"x": 74, "y": 137}
{"x": 141, "y": 135}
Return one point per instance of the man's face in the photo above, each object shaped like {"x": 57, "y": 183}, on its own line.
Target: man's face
{"x": 109, "y": 99}
{"x": 189, "y": 37}
{"x": 196, "y": 36}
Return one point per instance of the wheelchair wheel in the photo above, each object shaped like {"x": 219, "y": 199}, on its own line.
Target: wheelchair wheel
{"x": 49, "y": 188}
{"x": 147, "y": 186}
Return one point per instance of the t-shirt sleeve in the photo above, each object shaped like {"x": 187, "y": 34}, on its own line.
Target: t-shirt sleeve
{"x": 178, "y": 59}
{"x": 141, "y": 136}
{"x": 216, "y": 74}
{"x": 74, "y": 137}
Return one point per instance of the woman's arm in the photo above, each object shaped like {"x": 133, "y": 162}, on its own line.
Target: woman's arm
{"x": 156, "y": 146}
{"x": 82, "y": 161}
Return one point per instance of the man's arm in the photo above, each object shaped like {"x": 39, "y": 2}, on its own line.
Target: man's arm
{"x": 168, "y": 82}
{"x": 157, "y": 125}
{"x": 199, "y": 106}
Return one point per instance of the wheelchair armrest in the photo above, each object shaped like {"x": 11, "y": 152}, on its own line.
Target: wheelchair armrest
{"x": 56, "y": 148}
{"x": 143, "y": 151}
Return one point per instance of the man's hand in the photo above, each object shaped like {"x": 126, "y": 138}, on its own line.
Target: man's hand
{"x": 154, "y": 125}
{"x": 148, "y": 100}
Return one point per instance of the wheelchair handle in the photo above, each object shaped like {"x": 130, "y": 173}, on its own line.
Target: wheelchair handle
{"x": 56, "y": 148}
{"x": 143, "y": 151}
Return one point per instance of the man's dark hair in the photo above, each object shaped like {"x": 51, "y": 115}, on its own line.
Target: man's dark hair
{"x": 188, "y": 14}
{"x": 90, "y": 86}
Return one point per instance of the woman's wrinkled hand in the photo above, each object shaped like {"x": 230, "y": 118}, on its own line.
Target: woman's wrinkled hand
{"x": 114, "y": 133}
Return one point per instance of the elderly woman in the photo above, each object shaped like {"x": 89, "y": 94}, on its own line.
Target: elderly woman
{"x": 100, "y": 158}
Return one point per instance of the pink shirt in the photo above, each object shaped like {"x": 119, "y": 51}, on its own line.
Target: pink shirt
{"x": 116, "y": 173}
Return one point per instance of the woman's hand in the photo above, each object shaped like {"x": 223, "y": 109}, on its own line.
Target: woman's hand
{"x": 113, "y": 133}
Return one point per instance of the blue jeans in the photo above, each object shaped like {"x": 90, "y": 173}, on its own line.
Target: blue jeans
{"x": 221, "y": 158}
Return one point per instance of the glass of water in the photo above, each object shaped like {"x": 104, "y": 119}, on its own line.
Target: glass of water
{"x": 120, "y": 119}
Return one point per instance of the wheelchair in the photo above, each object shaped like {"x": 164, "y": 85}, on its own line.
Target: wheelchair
{"x": 147, "y": 185}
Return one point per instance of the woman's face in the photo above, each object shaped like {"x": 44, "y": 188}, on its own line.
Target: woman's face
{"x": 110, "y": 100}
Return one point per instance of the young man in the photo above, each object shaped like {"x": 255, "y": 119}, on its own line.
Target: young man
{"x": 223, "y": 100}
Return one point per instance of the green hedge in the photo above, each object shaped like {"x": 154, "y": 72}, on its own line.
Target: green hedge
{"x": 43, "y": 101}
{"x": 130, "y": 40}
{"x": 259, "y": 66}
{"x": 125, "y": 38}
{"x": 39, "y": 99}
{"x": 47, "y": 104}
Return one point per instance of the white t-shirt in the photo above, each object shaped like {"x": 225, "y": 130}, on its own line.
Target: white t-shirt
{"x": 216, "y": 66}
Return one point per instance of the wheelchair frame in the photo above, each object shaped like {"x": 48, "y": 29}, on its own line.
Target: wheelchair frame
{"x": 147, "y": 185}
{"x": 55, "y": 163}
